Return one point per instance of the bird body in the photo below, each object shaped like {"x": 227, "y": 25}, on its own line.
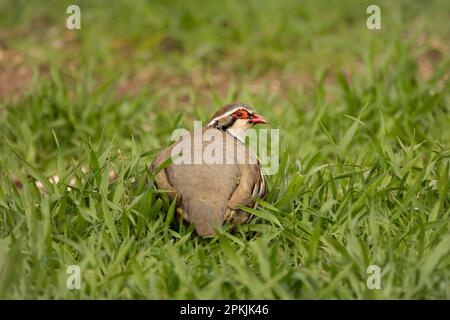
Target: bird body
{"x": 210, "y": 193}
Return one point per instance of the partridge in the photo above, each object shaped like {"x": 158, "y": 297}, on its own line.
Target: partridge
{"x": 209, "y": 193}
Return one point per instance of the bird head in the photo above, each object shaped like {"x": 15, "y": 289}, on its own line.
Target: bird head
{"x": 234, "y": 117}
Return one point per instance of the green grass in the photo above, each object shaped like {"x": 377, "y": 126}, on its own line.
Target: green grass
{"x": 364, "y": 176}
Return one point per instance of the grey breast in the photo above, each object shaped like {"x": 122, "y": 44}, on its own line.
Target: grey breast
{"x": 207, "y": 187}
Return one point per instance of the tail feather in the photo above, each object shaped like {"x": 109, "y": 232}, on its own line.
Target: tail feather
{"x": 204, "y": 215}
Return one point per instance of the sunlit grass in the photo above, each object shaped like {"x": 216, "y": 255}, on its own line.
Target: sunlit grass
{"x": 364, "y": 174}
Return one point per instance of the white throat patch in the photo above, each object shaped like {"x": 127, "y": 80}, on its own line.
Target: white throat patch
{"x": 239, "y": 129}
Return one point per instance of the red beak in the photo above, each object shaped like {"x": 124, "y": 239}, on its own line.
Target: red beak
{"x": 256, "y": 118}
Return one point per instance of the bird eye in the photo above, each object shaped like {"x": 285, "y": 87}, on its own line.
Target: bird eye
{"x": 239, "y": 114}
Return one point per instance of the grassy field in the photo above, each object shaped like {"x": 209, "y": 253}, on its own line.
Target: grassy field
{"x": 364, "y": 121}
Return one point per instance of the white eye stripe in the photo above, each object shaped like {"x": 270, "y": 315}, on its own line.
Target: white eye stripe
{"x": 224, "y": 115}
{"x": 229, "y": 113}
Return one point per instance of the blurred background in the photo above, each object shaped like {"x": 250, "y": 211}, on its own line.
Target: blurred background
{"x": 191, "y": 57}
{"x": 363, "y": 118}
